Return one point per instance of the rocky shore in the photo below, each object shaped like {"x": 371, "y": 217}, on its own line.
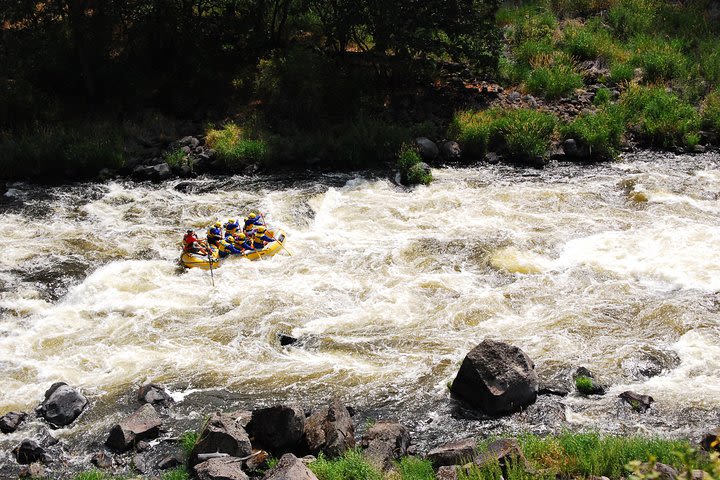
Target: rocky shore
{"x": 279, "y": 441}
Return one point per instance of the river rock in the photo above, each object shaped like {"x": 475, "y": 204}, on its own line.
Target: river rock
{"x": 427, "y": 149}
{"x": 710, "y": 438}
{"x": 385, "y": 442}
{"x": 143, "y": 424}
{"x": 171, "y": 461}
{"x": 224, "y": 434}
{"x": 154, "y": 394}
{"x": 34, "y": 470}
{"x": 220, "y": 469}
{"x": 496, "y": 378}
{"x": 154, "y": 173}
{"x": 492, "y": 158}
{"x": 639, "y": 403}
{"x": 457, "y": 452}
{"x": 330, "y": 430}
{"x": 62, "y": 405}
{"x": 286, "y": 339}
{"x": 290, "y": 468}
{"x": 666, "y": 472}
{"x": 278, "y": 427}
{"x": 30, "y": 452}
{"x": 11, "y": 421}
{"x": 450, "y": 151}
{"x": 102, "y": 460}
{"x": 595, "y": 388}
{"x": 447, "y": 473}
{"x": 502, "y": 451}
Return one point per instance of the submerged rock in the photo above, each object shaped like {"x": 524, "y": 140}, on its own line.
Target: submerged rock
{"x": 278, "y": 427}
{"x": 29, "y": 451}
{"x": 385, "y": 442}
{"x": 290, "y": 468}
{"x": 11, "y": 421}
{"x": 639, "y": 403}
{"x": 62, "y": 405}
{"x": 330, "y": 430}
{"x": 223, "y": 433}
{"x": 143, "y": 424}
{"x": 286, "y": 339}
{"x": 496, "y": 378}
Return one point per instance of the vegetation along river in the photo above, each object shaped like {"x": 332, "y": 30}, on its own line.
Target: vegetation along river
{"x": 615, "y": 267}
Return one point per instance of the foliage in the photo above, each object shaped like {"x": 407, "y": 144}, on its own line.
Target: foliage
{"x": 179, "y": 473}
{"x": 659, "y": 59}
{"x": 527, "y": 23}
{"x": 661, "y": 118}
{"x": 584, "y": 385}
{"x": 525, "y": 132}
{"x": 553, "y": 81}
{"x": 188, "y": 440}
{"x": 92, "y": 475}
{"x": 235, "y": 150}
{"x": 632, "y": 17}
{"x": 602, "y": 96}
{"x": 589, "y": 41}
{"x": 413, "y": 468}
{"x": 622, "y": 72}
{"x": 602, "y": 132}
{"x": 711, "y": 110}
{"x": 418, "y": 175}
{"x": 473, "y": 130}
{"x": 411, "y": 169}
{"x": 176, "y": 158}
{"x": 407, "y": 157}
{"x": 351, "y": 466}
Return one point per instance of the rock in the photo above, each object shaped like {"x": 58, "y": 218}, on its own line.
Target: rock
{"x": 492, "y": 158}
{"x": 223, "y": 433}
{"x": 708, "y": 138}
{"x": 650, "y": 362}
{"x": 639, "y": 403}
{"x": 279, "y": 427}
{"x": 34, "y": 470}
{"x": 570, "y": 147}
{"x": 698, "y": 149}
{"x": 290, "y": 468}
{"x": 220, "y": 469}
{"x": 11, "y": 421}
{"x": 553, "y": 389}
{"x": 142, "y": 446}
{"x": 154, "y": 394}
{"x": 143, "y": 424}
{"x": 62, "y": 405}
{"x": 447, "y": 473}
{"x": 502, "y": 451}
{"x": 666, "y": 471}
{"x": 330, "y": 430}
{"x": 286, "y": 339}
{"x": 427, "y": 149}
{"x": 186, "y": 150}
{"x": 140, "y": 463}
{"x": 385, "y": 442}
{"x": 593, "y": 388}
{"x": 102, "y": 460}
{"x": 257, "y": 460}
{"x": 188, "y": 141}
{"x": 711, "y": 440}
{"x": 496, "y": 378}
{"x": 457, "y": 452}
{"x": 154, "y": 173}
{"x": 30, "y": 452}
{"x": 450, "y": 151}
{"x": 171, "y": 461}
{"x": 514, "y": 96}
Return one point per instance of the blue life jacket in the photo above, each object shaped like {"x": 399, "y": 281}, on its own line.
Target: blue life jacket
{"x": 265, "y": 238}
{"x": 231, "y": 227}
{"x": 253, "y": 221}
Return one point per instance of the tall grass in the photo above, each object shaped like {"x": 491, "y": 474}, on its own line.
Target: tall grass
{"x": 659, "y": 58}
{"x": 351, "y": 466}
{"x": 601, "y": 131}
{"x": 553, "y": 81}
{"x": 234, "y": 148}
{"x": 711, "y": 111}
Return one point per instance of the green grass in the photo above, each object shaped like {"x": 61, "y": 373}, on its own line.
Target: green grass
{"x": 188, "y": 440}
{"x": 233, "y": 148}
{"x": 584, "y": 385}
{"x": 92, "y": 475}
{"x": 711, "y": 111}
{"x": 179, "y": 473}
{"x": 417, "y": 175}
{"x": 632, "y": 17}
{"x": 589, "y": 41}
{"x": 660, "y": 59}
{"x": 603, "y": 96}
{"x": 553, "y": 81}
{"x": 413, "y": 468}
{"x": 411, "y": 170}
{"x": 529, "y": 22}
{"x": 526, "y": 132}
{"x": 176, "y": 158}
{"x": 621, "y": 72}
{"x": 351, "y": 466}
{"x": 601, "y": 131}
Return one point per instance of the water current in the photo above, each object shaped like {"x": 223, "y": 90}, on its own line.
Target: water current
{"x": 615, "y": 267}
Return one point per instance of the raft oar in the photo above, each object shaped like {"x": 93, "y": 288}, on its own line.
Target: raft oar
{"x": 212, "y": 275}
{"x": 273, "y": 237}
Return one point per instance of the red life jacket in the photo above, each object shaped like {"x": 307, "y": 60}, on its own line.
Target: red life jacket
{"x": 189, "y": 238}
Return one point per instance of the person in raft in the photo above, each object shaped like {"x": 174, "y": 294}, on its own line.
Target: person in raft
{"x": 243, "y": 243}
{"x": 191, "y": 244}
{"x": 215, "y": 234}
{"x": 227, "y": 248}
{"x": 231, "y": 227}
{"x": 251, "y": 221}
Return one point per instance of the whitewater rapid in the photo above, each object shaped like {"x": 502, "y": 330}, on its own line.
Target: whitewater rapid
{"x": 387, "y": 288}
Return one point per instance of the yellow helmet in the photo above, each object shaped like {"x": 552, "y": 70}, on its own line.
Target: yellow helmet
{"x": 240, "y": 236}
{"x": 261, "y": 229}
{"x": 231, "y": 220}
{"x": 230, "y": 239}
{"x": 252, "y": 215}
{"x": 218, "y": 224}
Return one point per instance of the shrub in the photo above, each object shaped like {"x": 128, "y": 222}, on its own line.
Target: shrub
{"x": 528, "y": 51}
{"x": 411, "y": 169}
{"x": 659, "y": 59}
{"x": 528, "y": 22}
{"x": 412, "y": 468}
{"x": 601, "y": 131}
{"x": 188, "y": 440}
{"x": 417, "y": 175}
{"x": 473, "y": 130}
{"x": 553, "y": 81}
{"x": 711, "y": 111}
{"x": 661, "y": 118}
{"x": 709, "y": 60}
{"x": 176, "y": 158}
{"x": 632, "y": 17}
{"x": 622, "y": 72}
{"x": 351, "y": 466}
{"x": 602, "y": 96}
{"x": 233, "y": 149}
{"x": 512, "y": 72}
{"x": 176, "y": 474}
{"x": 526, "y": 133}
{"x": 407, "y": 157}
{"x": 589, "y": 42}
{"x": 585, "y": 385}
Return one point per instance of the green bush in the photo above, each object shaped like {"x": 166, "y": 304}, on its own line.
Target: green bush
{"x": 411, "y": 170}
{"x": 407, "y": 157}
{"x": 622, "y": 72}
{"x": 235, "y": 150}
{"x": 473, "y": 130}
{"x": 553, "y": 81}
{"x": 351, "y": 466}
{"x": 528, "y": 51}
{"x": 660, "y": 117}
{"x": 659, "y": 59}
{"x": 527, "y": 22}
{"x": 179, "y": 473}
{"x": 601, "y": 131}
{"x": 711, "y": 111}
{"x": 416, "y": 175}
{"x": 512, "y": 72}
{"x": 709, "y": 60}
{"x": 526, "y": 133}
{"x": 632, "y": 17}
{"x": 602, "y": 96}
{"x": 412, "y": 468}
{"x": 585, "y": 385}
{"x": 176, "y": 158}
{"x": 188, "y": 440}
{"x": 589, "y": 42}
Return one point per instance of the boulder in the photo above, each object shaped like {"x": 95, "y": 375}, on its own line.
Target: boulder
{"x": 154, "y": 394}
{"x": 30, "y": 452}
{"x": 666, "y": 472}
{"x": 447, "y": 473}
{"x": 290, "y": 468}
{"x": 278, "y": 428}
{"x": 639, "y": 403}
{"x": 171, "y": 461}
{"x": 593, "y": 388}
{"x": 227, "y": 468}
{"x": 492, "y": 158}
{"x": 62, "y": 405}
{"x": 223, "y": 433}
{"x": 102, "y": 460}
{"x": 143, "y": 424}
{"x": 496, "y": 378}
{"x": 427, "y": 149}
{"x": 188, "y": 141}
{"x": 34, "y": 470}
{"x": 11, "y": 421}
{"x": 503, "y": 451}
{"x": 385, "y": 442}
{"x": 330, "y": 430}
{"x": 257, "y": 460}
{"x": 711, "y": 440}
{"x": 457, "y": 452}
{"x": 286, "y": 339}
{"x": 450, "y": 151}
{"x": 154, "y": 173}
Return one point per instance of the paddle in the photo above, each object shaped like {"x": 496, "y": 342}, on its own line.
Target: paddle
{"x": 210, "y": 259}
{"x": 273, "y": 237}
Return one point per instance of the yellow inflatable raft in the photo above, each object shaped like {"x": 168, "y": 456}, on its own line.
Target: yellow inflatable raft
{"x": 193, "y": 260}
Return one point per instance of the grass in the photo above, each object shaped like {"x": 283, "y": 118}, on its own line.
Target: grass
{"x": 351, "y": 466}
{"x": 176, "y": 158}
{"x": 621, "y": 72}
{"x": 585, "y": 385}
{"x": 188, "y": 440}
{"x": 603, "y": 96}
{"x": 411, "y": 169}
{"x": 413, "y": 468}
{"x": 711, "y": 111}
{"x": 233, "y": 148}
{"x": 659, "y": 58}
{"x": 92, "y": 475}
{"x": 553, "y": 81}
{"x": 179, "y": 473}
{"x": 601, "y": 131}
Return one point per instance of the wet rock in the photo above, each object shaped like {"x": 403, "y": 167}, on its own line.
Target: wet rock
{"x": 223, "y": 433}
{"x": 30, "y": 452}
{"x": 286, "y": 339}
{"x": 330, "y": 430}
{"x": 154, "y": 394}
{"x": 553, "y": 389}
{"x": 141, "y": 463}
{"x": 220, "y": 469}
{"x": 492, "y": 158}
{"x": 290, "y": 468}
{"x": 11, "y": 421}
{"x": 102, "y": 460}
{"x": 62, "y": 405}
{"x": 649, "y": 362}
{"x": 666, "y": 472}
{"x": 154, "y": 173}
{"x": 427, "y": 149}
{"x": 450, "y": 151}
{"x": 447, "y": 473}
{"x": 279, "y": 427}
{"x": 143, "y": 424}
{"x": 711, "y": 440}
{"x": 639, "y": 403}
{"x": 708, "y": 138}
{"x": 142, "y": 446}
{"x": 385, "y": 442}
{"x": 171, "y": 461}
{"x": 188, "y": 141}
{"x": 496, "y": 378}
{"x": 585, "y": 382}
{"x": 34, "y": 470}
{"x": 698, "y": 149}
{"x": 457, "y": 452}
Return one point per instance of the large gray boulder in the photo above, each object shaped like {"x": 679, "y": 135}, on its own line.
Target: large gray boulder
{"x": 496, "y": 378}
{"x": 457, "y": 452}
{"x": 227, "y": 468}
{"x": 154, "y": 394}
{"x": 278, "y": 428}
{"x": 427, "y": 149}
{"x": 385, "y": 442}
{"x": 290, "y": 468}
{"x": 330, "y": 430}
{"x": 11, "y": 421}
{"x": 450, "y": 151}
{"x": 143, "y": 424}
{"x": 29, "y": 451}
{"x": 62, "y": 405}
{"x": 224, "y": 434}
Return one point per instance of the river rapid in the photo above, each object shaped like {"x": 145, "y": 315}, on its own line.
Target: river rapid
{"x": 615, "y": 267}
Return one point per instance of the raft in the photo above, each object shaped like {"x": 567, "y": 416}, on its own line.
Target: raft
{"x": 193, "y": 260}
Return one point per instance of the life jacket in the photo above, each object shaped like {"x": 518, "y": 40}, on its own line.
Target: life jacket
{"x": 267, "y": 239}
{"x": 247, "y": 245}
{"x": 189, "y": 238}
{"x": 253, "y": 221}
{"x": 231, "y": 228}
{"x": 258, "y": 243}
{"x": 215, "y": 232}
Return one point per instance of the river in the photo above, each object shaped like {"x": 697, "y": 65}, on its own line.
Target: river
{"x": 615, "y": 267}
